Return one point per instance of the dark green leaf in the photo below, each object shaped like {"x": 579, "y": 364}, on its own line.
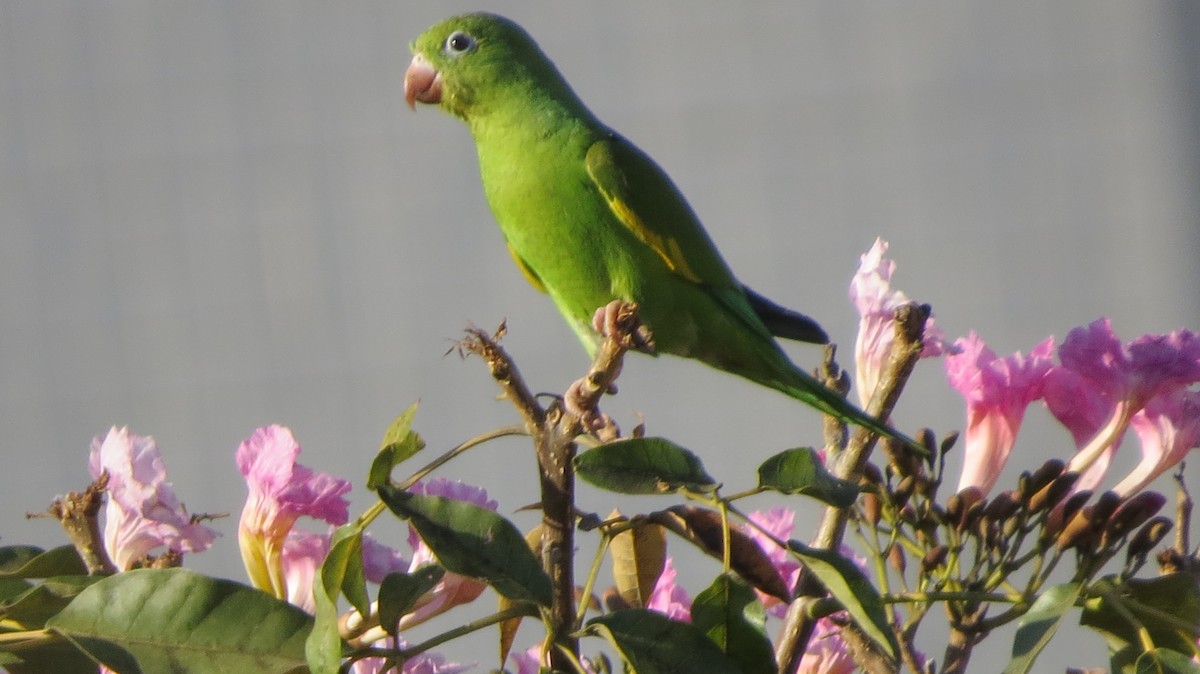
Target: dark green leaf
{"x": 174, "y": 620}
{"x": 26, "y": 561}
{"x": 731, "y": 615}
{"x": 1168, "y": 607}
{"x": 853, "y": 590}
{"x": 399, "y": 444}
{"x": 342, "y": 567}
{"x": 39, "y": 603}
{"x": 399, "y": 592}
{"x": 474, "y": 542}
{"x": 800, "y": 471}
{"x": 1039, "y": 624}
{"x": 653, "y": 644}
{"x": 643, "y": 466}
{"x": 1164, "y": 661}
{"x": 53, "y": 654}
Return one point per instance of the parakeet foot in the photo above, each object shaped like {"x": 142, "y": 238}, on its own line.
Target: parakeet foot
{"x": 619, "y": 318}
{"x": 594, "y": 421}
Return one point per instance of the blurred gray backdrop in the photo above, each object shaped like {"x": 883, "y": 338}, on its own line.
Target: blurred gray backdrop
{"x": 219, "y": 215}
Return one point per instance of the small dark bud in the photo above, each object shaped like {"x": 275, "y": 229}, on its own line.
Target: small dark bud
{"x": 1044, "y": 475}
{"x": 896, "y": 558}
{"x": 1002, "y": 506}
{"x": 1132, "y": 514}
{"x": 949, "y": 441}
{"x": 909, "y": 514}
{"x": 960, "y": 507}
{"x": 933, "y": 559}
{"x": 1057, "y": 519}
{"x": 1049, "y": 495}
{"x": 871, "y": 508}
{"x": 1104, "y": 508}
{"x": 904, "y": 490}
{"x": 1150, "y": 535}
{"x": 871, "y": 475}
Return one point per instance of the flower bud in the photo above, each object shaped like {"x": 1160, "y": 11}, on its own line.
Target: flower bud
{"x": 1149, "y": 536}
{"x": 896, "y": 558}
{"x": 1132, "y": 514}
{"x": 933, "y": 559}
{"x": 1049, "y": 495}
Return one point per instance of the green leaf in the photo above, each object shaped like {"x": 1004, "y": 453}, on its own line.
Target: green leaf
{"x": 399, "y": 444}
{"x": 51, "y": 653}
{"x": 474, "y": 542}
{"x": 341, "y": 569}
{"x": 27, "y": 561}
{"x": 175, "y": 620}
{"x": 653, "y": 644}
{"x": 853, "y": 590}
{"x": 39, "y": 603}
{"x": 730, "y": 614}
{"x": 800, "y": 471}
{"x": 1039, "y": 624}
{"x": 643, "y": 466}
{"x": 399, "y": 592}
{"x": 1168, "y": 607}
{"x": 1165, "y": 661}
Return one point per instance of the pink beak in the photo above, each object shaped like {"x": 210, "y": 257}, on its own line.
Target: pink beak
{"x": 422, "y": 83}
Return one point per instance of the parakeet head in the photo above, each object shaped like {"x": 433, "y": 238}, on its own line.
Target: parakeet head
{"x": 475, "y": 63}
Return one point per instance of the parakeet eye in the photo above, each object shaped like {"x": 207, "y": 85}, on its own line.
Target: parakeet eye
{"x": 459, "y": 43}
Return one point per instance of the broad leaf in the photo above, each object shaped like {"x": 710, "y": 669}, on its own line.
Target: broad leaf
{"x": 175, "y": 620}
{"x": 653, "y": 644}
{"x": 474, "y": 542}
{"x": 341, "y": 569}
{"x": 731, "y": 615}
{"x": 853, "y": 590}
{"x": 1168, "y": 607}
{"x": 1039, "y": 624}
{"x": 27, "y": 561}
{"x": 638, "y": 556}
{"x": 643, "y": 466}
{"x": 706, "y": 530}
{"x": 1164, "y": 661}
{"x": 399, "y": 592}
{"x": 35, "y": 606}
{"x": 399, "y": 444}
{"x": 800, "y": 471}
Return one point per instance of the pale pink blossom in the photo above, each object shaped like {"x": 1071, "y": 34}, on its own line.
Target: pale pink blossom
{"x": 1168, "y": 427}
{"x": 280, "y": 492}
{"x": 1083, "y": 409}
{"x": 142, "y": 513}
{"x": 668, "y": 597}
{"x": 453, "y": 589}
{"x": 826, "y": 652}
{"x": 997, "y": 391}
{"x": 1129, "y": 375}
{"x": 876, "y": 302}
{"x": 778, "y": 523}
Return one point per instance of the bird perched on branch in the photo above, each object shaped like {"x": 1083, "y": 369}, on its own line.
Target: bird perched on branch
{"x": 591, "y": 219}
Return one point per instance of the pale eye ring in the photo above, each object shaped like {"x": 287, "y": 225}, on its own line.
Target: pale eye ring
{"x": 459, "y": 43}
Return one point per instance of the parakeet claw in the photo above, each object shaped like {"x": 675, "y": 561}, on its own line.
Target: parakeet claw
{"x": 619, "y": 319}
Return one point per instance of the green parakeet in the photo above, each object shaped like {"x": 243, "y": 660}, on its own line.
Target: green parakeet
{"x": 589, "y": 218}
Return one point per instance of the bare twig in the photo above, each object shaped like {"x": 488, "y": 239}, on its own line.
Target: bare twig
{"x": 79, "y": 514}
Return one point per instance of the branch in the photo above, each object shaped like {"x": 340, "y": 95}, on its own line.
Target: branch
{"x": 79, "y": 515}
{"x": 554, "y": 433}
{"x": 798, "y": 626}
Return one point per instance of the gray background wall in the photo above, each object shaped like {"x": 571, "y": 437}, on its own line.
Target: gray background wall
{"x": 219, "y": 215}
